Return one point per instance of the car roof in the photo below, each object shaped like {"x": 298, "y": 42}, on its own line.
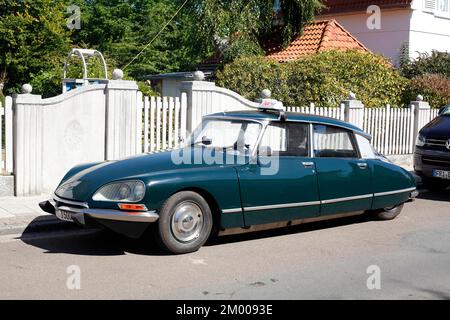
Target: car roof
{"x": 291, "y": 116}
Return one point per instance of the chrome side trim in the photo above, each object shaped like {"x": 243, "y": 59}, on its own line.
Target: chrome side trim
{"x": 285, "y": 205}
{"x": 234, "y": 210}
{"x": 393, "y": 192}
{"x": 364, "y": 196}
{"x": 75, "y": 203}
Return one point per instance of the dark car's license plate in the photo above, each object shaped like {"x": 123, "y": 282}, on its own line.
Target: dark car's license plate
{"x": 64, "y": 215}
{"x": 441, "y": 174}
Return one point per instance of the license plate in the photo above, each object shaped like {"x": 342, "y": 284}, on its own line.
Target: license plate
{"x": 64, "y": 215}
{"x": 441, "y": 174}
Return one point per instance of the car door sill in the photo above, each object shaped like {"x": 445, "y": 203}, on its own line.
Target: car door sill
{"x": 282, "y": 224}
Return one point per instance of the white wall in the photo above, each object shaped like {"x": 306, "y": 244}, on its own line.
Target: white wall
{"x": 429, "y": 31}
{"x": 386, "y": 41}
{"x": 422, "y": 31}
{"x": 171, "y": 87}
{"x": 88, "y": 124}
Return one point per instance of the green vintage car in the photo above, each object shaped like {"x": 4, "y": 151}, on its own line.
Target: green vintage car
{"x": 239, "y": 171}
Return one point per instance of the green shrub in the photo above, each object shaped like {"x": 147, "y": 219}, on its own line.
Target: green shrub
{"x": 250, "y": 75}
{"x": 434, "y": 88}
{"x": 436, "y": 63}
{"x": 325, "y": 78}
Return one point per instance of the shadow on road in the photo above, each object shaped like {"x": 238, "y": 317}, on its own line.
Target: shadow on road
{"x": 98, "y": 242}
{"x": 302, "y": 228}
{"x": 435, "y": 195}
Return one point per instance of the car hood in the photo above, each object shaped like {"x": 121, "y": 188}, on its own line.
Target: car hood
{"x": 84, "y": 183}
{"x": 439, "y": 127}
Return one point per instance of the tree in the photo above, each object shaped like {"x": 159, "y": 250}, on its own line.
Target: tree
{"x": 33, "y": 42}
{"x": 237, "y": 27}
{"x": 120, "y": 30}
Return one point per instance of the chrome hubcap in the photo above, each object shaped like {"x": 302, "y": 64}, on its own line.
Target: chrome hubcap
{"x": 187, "y": 221}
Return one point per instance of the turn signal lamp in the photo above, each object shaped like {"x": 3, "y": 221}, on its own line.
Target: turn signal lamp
{"x": 132, "y": 207}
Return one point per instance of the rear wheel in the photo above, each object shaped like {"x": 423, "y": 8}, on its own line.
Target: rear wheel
{"x": 185, "y": 223}
{"x": 389, "y": 213}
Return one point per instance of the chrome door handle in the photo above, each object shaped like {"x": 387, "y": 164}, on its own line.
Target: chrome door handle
{"x": 308, "y": 164}
{"x": 362, "y": 165}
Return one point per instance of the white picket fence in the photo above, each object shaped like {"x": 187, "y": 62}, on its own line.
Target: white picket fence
{"x": 6, "y": 137}
{"x": 392, "y": 129}
{"x": 164, "y": 122}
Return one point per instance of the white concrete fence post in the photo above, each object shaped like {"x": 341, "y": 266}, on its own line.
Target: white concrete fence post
{"x": 353, "y": 111}
{"x": 422, "y": 115}
{"x": 123, "y": 118}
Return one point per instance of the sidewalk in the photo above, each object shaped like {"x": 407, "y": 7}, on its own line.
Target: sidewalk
{"x": 18, "y": 214}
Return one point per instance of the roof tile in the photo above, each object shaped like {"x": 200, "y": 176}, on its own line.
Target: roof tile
{"x": 318, "y": 36}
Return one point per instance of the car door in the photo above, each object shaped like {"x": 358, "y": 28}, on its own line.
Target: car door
{"x": 344, "y": 179}
{"x": 282, "y": 185}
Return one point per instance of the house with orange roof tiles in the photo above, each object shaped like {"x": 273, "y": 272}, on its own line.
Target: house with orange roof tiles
{"x": 394, "y": 27}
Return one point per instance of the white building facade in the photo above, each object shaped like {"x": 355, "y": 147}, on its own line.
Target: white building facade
{"x": 393, "y": 27}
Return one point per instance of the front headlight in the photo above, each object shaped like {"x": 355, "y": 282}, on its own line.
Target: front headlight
{"x": 420, "y": 141}
{"x": 124, "y": 191}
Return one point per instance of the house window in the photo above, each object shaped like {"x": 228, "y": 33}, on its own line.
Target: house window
{"x": 443, "y": 6}
{"x": 440, "y": 8}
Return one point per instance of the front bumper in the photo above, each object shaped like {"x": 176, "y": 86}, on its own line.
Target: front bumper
{"x": 427, "y": 160}
{"x": 130, "y": 223}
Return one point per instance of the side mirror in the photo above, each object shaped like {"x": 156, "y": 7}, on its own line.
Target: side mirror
{"x": 206, "y": 141}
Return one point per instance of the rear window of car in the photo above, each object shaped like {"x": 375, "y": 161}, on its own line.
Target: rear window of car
{"x": 333, "y": 142}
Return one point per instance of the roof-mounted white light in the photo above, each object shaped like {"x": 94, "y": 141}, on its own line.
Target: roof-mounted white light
{"x": 270, "y": 104}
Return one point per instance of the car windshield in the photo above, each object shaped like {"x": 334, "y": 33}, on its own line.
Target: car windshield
{"x": 237, "y": 136}
{"x": 446, "y": 110}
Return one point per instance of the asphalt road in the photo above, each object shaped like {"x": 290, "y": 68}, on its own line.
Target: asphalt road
{"x": 326, "y": 260}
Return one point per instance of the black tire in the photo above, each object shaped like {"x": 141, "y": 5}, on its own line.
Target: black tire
{"x": 182, "y": 211}
{"x": 435, "y": 184}
{"x": 388, "y": 213}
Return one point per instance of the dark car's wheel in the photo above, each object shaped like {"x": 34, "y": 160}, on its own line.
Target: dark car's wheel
{"x": 185, "y": 223}
{"x": 435, "y": 184}
{"x": 388, "y": 213}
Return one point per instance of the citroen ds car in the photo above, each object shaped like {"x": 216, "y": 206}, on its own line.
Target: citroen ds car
{"x": 239, "y": 171}
{"x": 432, "y": 153}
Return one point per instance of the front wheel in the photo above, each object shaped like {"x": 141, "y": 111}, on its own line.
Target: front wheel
{"x": 389, "y": 213}
{"x": 185, "y": 223}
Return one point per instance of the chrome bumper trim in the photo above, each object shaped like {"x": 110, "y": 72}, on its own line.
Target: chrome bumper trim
{"x": 106, "y": 214}
{"x": 413, "y": 194}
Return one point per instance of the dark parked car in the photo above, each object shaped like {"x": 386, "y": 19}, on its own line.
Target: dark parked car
{"x": 270, "y": 169}
{"x": 432, "y": 153}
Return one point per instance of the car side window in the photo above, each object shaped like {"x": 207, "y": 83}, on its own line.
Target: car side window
{"x": 333, "y": 142}
{"x": 286, "y": 139}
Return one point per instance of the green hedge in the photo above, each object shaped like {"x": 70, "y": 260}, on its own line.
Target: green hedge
{"x": 325, "y": 78}
{"x": 435, "y": 89}
{"x": 434, "y": 63}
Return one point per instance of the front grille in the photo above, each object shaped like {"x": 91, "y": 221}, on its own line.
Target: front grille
{"x": 438, "y": 162}
{"x": 69, "y": 203}
{"x": 436, "y": 144}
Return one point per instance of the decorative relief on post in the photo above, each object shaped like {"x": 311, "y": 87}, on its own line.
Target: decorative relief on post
{"x": 73, "y": 136}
